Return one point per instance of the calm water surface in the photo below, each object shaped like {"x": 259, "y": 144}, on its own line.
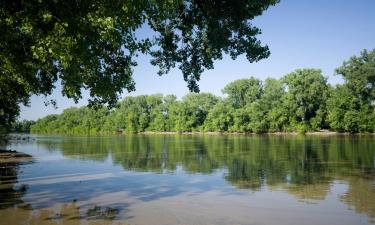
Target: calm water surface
{"x": 191, "y": 180}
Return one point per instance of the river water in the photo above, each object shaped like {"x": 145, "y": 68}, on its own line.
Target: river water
{"x": 191, "y": 179}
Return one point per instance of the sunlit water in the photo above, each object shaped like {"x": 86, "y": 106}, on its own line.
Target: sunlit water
{"x": 191, "y": 180}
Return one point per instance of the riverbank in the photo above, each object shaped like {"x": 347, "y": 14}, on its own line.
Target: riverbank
{"x": 10, "y": 156}
{"x": 310, "y": 133}
{"x": 210, "y": 133}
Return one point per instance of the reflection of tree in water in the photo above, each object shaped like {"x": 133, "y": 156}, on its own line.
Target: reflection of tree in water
{"x": 71, "y": 211}
{"x": 306, "y": 193}
{"x": 360, "y": 195}
{"x": 11, "y": 194}
{"x": 274, "y": 160}
{"x": 98, "y": 212}
{"x": 294, "y": 163}
{"x": 303, "y": 166}
{"x": 67, "y": 213}
{"x": 245, "y": 175}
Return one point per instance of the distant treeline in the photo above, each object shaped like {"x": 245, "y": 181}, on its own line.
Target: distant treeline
{"x": 300, "y": 101}
{"x": 22, "y": 126}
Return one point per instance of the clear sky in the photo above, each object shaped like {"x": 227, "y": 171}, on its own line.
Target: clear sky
{"x": 300, "y": 34}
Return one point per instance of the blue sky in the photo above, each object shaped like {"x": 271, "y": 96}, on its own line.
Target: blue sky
{"x": 300, "y": 34}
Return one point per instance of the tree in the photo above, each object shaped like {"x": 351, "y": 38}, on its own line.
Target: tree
{"x": 171, "y": 111}
{"x": 359, "y": 75}
{"x": 342, "y": 104}
{"x": 351, "y": 106}
{"x": 307, "y": 92}
{"x": 219, "y": 118}
{"x": 93, "y": 44}
{"x": 258, "y": 123}
{"x": 272, "y": 104}
{"x": 157, "y": 113}
{"x": 133, "y": 114}
{"x": 193, "y": 110}
{"x": 22, "y": 126}
{"x": 241, "y": 120}
{"x": 243, "y": 91}
{"x": 300, "y": 101}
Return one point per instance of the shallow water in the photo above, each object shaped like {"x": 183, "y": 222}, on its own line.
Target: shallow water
{"x": 167, "y": 179}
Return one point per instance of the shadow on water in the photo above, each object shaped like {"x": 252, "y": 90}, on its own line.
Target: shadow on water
{"x": 10, "y": 193}
{"x": 304, "y": 167}
{"x": 71, "y": 211}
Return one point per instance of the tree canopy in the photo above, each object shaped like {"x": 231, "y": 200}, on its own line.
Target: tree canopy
{"x": 351, "y": 107}
{"x": 299, "y": 101}
{"x": 93, "y": 45}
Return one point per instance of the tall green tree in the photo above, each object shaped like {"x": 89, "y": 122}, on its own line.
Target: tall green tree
{"x": 242, "y": 95}
{"x": 272, "y": 104}
{"x": 351, "y": 107}
{"x": 219, "y": 118}
{"x": 343, "y": 110}
{"x": 359, "y": 75}
{"x": 193, "y": 110}
{"x": 132, "y": 114}
{"x": 307, "y": 92}
{"x": 157, "y": 113}
{"x": 243, "y": 91}
{"x": 93, "y": 44}
{"x": 171, "y": 111}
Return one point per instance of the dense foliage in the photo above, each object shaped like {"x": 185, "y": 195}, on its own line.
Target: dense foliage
{"x": 22, "y": 126}
{"x": 300, "y": 101}
{"x": 94, "y": 44}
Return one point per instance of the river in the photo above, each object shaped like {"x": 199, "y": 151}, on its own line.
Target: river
{"x": 191, "y": 179}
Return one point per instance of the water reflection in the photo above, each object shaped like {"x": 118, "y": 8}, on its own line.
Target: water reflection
{"x": 10, "y": 192}
{"x": 361, "y": 195}
{"x": 304, "y": 167}
{"x": 71, "y": 211}
{"x": 67, "y": 213}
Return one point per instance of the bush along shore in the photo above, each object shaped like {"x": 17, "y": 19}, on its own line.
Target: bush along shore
{"x": 301, "y": 101}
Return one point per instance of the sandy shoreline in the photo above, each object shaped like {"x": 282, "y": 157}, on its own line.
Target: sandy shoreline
{"x": 10, "y": 156}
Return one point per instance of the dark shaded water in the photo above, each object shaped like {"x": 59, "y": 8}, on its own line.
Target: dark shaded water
{"x": 191, "y": 180}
